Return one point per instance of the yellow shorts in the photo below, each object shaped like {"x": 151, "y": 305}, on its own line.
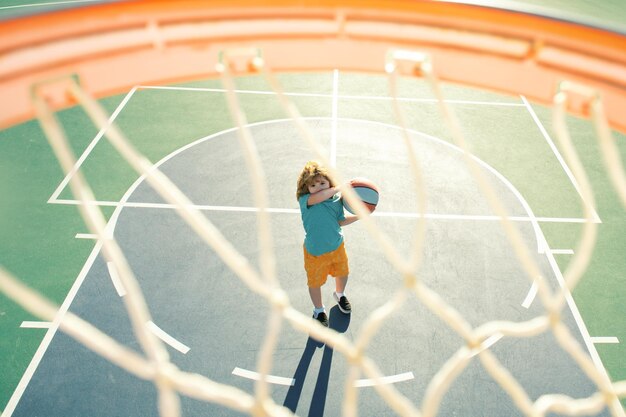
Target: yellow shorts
{"x": 318, "y": 268}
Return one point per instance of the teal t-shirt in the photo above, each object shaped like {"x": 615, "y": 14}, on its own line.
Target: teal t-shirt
{"x": 321, "y": 224}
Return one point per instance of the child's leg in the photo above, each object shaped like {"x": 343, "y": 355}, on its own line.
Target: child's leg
{"x": 316, "y": 272}
{"x": 340, "y": 269}
{"x": 340, "y": 284}
{"x": 316, "y": 296}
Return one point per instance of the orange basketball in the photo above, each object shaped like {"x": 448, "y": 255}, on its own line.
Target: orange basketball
{"x": 366, "y": 190}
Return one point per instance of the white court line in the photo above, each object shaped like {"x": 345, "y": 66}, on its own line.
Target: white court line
{"x": 595, "y": 357}
{"x": 160, "y": 333}
{"x": 322, "y": 95}
{"x": 562, "y": 251}
{"x": 115, "y": 278}
{"x": 47, "y": 339}
{"x": 361, "y": 383}
{"x": 604, "y": 339}
{"x": 222, "y": 90}
{"x": 47, "y": 4}
{"x": 432, "y": 216}
{"x": 434, "y": 101}
{"x": 90, "y": 147}
{"x": 333, "y": 131}
{"x": 440, "y": 216}
{"x": 36, "y": 324}
{"x": 86, "y": 236}
{"x": 532, "y": 293}
{"x": 558, "y": 155}
{"x": 64, "y": 201}
{"x": 278, "y": 380}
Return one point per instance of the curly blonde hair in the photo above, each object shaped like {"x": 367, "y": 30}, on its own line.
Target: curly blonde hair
{"x": 311, "y": 170}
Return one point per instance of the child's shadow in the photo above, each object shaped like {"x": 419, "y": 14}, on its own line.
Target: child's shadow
{"x": 338, "y": 322}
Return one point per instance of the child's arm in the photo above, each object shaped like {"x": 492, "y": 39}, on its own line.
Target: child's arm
{"x": 348, "y": 220}
{"x": 321, "y": 195}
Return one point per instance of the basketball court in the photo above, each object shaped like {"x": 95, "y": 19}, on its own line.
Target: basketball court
{"x": 214, "y": 325}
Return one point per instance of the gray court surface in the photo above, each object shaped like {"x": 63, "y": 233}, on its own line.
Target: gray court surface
{"x": 196, "y": 299}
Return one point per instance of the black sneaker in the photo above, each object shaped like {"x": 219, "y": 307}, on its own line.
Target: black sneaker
{"x": 322, "y": 318}
{"x": 343, "y": 303}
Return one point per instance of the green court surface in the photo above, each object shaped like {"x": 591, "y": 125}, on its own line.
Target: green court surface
{"x": 39, "y": 221}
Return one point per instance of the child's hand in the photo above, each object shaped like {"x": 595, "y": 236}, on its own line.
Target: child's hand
{"x": 348, "y": 220}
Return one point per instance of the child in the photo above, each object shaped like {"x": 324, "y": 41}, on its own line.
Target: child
{"x": 324, "y": 252}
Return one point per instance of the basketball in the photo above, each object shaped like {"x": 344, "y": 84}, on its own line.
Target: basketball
{"x": 366, "y": 190}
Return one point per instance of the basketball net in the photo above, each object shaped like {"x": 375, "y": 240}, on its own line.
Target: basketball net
{"x": 170, "y": 382}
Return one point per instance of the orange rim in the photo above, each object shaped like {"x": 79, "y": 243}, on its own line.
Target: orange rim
{"x": 115, "y": 46}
